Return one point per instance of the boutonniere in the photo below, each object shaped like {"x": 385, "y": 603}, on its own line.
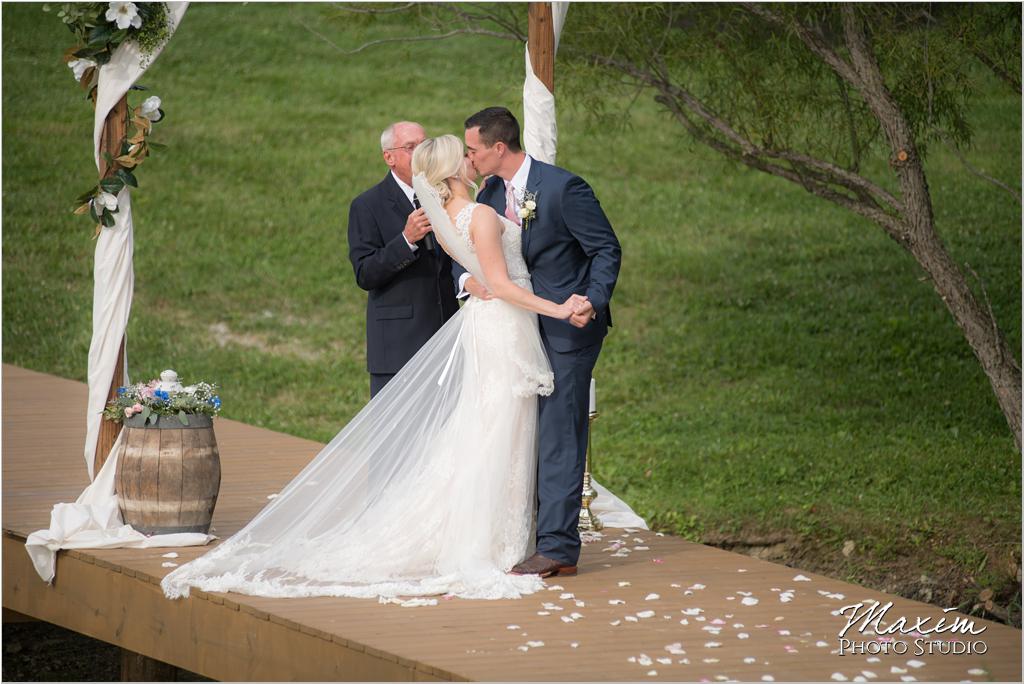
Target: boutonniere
{"x": 527, "y": 210}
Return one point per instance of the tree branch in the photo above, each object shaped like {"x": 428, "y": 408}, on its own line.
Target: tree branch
{"x": 829, "y": 172}
{"x": 892, "y": 225}
{"x": 851, "y": 122}
{"x": 814, "y": 41}
{"x": 977, "y": 172}
{"x": 1010, "y": 79}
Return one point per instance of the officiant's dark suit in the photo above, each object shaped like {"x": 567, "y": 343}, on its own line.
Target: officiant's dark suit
{"x": 410, "y": 286}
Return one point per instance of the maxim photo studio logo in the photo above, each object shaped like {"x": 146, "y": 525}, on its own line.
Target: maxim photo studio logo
{"x": 899, "y": 635}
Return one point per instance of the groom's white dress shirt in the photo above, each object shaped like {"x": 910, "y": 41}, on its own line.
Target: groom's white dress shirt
{"x": 518, "y": 184}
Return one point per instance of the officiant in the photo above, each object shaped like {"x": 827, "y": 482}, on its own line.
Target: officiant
{"x": 396, "y": 259}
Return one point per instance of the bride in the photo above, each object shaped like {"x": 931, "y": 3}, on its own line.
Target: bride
{"x": 431, "y": 488}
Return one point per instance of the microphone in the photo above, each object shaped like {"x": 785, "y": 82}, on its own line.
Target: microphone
{"x": 428, "y": 239}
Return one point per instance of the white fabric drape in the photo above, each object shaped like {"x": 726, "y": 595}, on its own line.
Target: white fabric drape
{"x": 540, "y": 129}
{"x": 113, "y": 274}
{"x": 94, "y": 522}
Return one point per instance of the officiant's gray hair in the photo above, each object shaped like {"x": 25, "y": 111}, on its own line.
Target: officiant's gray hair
{"x": 387, "y": 138}
{"x": 439, "y": 159}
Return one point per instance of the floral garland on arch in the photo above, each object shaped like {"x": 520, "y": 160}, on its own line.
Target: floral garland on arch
{"x": 100, "y": 28}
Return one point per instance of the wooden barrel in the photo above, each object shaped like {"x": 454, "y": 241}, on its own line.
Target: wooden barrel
{"x": 168, "y": 475}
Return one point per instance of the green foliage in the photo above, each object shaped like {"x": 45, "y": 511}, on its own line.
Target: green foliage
{"x": 767, "y": 84}
{"x": 98, "y": 37}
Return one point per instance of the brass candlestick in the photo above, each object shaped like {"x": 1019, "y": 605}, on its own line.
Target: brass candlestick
{"x": 588, "y": 520}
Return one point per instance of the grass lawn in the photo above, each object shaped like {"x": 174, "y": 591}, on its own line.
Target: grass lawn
{"x": 780, "y": 374}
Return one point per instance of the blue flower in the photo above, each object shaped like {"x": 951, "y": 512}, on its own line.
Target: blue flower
{"x": 161, "y": 394}
{"x": 216, "y": 402}
{"x": 121, "y": 390}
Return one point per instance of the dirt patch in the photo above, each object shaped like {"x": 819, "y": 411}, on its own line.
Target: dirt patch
{"x": 994, "y": 594}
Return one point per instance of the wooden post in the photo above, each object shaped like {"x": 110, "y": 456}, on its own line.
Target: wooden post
{"x": 114, "y": 130}
{"x": 542, "y": 43}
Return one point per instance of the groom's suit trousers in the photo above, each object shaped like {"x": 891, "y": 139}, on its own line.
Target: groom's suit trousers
{"x": 564, "y": 427}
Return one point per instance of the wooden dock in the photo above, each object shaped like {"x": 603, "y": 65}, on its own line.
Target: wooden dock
{"x": 644, "y": 606}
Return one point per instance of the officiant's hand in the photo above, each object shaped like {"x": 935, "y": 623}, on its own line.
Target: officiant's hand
{"x": 477, "y": 289}
{"x": 416, "y": 226}
{"x": 583, "y": 314}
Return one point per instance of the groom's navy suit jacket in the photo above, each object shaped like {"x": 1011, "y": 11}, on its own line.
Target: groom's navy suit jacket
{"x": 411, "y": 294}
{"x": 570, "y": 248}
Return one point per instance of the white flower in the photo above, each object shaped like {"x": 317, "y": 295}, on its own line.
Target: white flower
{"x": 79, "y": 67}
{"x": 105, "y": 200}
{"x": 523, "y": 212}
{"x": 125, "y": 14}
{"x": 530, "y": 204}
{"x": 151, "y": 108}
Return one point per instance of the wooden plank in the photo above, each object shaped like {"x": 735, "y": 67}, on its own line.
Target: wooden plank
{"x": 195, "y": 635}
{"x": 114, "y": 594}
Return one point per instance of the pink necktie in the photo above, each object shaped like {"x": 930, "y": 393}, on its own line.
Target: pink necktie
{"x": 510, "y": 204}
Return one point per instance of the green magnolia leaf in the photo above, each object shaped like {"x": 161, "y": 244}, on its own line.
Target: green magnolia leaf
{"x": 146, "y": 411}
{"x": 138, "y": 87}
{"x": 182, "y": 417}
{"x": 100, "y": 35}
{"x": 107, "y": 219}
{"x": 113, "y": 185}
{"x": 153, "y": 418}
{"x": 86, "y": 196}
{"x": 93, "y": 214}
{"x": 107, "y": 157}
{"x": 86, "y": 52}
{"x": 128, "y": 177}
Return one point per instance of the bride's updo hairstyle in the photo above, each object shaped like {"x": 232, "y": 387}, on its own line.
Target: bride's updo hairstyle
{"x": 440, "y": 159}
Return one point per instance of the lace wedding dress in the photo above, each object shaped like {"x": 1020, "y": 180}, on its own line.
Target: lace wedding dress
{"x": 430, "y": 489}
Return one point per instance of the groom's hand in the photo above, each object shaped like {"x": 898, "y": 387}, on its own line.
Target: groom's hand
{"x": 583, "y": 314}
{"x": 477, "y": 289}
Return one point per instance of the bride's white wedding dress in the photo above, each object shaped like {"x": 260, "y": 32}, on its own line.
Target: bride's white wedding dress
{"x": 429, "y": 490}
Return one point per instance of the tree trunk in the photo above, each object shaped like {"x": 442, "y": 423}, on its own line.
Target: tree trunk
{"x": 977, "y": 322}
{"x": 920, "y": 239}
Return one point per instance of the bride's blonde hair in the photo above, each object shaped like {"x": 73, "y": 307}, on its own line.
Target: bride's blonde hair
{"x": 439, "y": 159}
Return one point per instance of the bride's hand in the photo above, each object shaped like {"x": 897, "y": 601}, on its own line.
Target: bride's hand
{"x": 572, "y": 305}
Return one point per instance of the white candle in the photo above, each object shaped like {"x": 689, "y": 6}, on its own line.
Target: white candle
{"x": 593, "y": 395}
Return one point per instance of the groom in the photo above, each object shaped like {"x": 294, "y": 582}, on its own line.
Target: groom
{"x": 570, "y": 248}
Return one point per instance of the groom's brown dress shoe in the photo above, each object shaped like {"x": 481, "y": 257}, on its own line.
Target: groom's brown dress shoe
{"x": 543, "y": 566}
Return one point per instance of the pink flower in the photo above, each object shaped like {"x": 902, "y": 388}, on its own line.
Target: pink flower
{"x": 128, "y": 412}
{"x": 148, "y": 392}
{"x": 137, "y": 408}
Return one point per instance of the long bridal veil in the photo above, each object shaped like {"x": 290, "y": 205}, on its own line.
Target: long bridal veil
{"x": 403, "y": 500}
